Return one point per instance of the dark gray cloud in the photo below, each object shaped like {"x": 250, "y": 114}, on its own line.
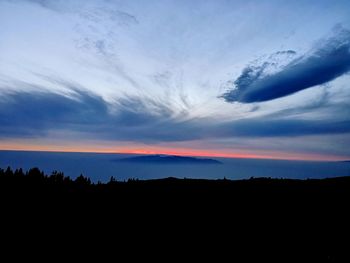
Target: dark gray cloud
{"x": 328, "y": 62}
{"x": 35, "y": 114}
{"x": 328, "y": 117}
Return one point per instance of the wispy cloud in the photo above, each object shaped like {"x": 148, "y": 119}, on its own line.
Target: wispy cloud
{"x": 330, "y": 60}
{"x": 32, "y": 114}
{"x": 36, "y": 113}
{"x": 129, "y": 72}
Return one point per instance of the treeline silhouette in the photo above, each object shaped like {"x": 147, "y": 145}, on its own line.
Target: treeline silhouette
{"x": 35, "y": 178}
{"x": 314, "y": 213}
{"x": 263, "y": 195}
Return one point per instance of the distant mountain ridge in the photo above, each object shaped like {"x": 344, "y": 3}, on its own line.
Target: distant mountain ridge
{"x": 167, "y": 159}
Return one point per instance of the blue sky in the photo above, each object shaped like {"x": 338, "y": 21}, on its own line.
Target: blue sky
{"x": 265, "y": 78}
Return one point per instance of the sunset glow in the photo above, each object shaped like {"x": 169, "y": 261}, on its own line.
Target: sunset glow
{"x": 194, "y": 78}
{"x": 175, "y": 151}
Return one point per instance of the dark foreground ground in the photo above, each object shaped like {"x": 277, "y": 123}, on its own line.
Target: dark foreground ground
{"x": 270, "y": 218}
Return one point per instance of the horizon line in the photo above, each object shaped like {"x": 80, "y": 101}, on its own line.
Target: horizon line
{"x": 179, "y": 153}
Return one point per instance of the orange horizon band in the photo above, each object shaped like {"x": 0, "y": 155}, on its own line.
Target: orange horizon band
{"x": 183, "y": 152}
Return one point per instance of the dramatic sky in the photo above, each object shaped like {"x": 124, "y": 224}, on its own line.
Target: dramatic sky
{"x": 245, "y": 78}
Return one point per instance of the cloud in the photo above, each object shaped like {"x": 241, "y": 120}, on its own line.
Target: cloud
{"x": 102, "y": 10}
{"x": 35, "y": 114}
{"x": 327, "y": 62}
{"x": 49, "y": 4}
{"x": 263, "y": 127}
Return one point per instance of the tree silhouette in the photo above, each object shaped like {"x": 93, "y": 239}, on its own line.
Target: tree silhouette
{"x": 81, "y": 180}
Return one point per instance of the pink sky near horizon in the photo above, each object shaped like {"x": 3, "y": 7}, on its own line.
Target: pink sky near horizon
{"x": 135, "y": 149}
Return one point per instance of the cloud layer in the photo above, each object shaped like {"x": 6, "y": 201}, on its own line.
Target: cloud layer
{"x": 127, "y": 73}
{"x": 36, "y": 114}
{"x": 328, "y": 62}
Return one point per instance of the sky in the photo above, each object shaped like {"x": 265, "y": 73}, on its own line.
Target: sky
{"x": 250, "y": 79}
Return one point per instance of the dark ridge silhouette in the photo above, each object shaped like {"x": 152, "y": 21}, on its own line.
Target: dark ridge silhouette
{"x": 239, "y": 192}
{"x": 36, "y": 178}
{"x": 167, "y": 159}
{"x": 293, "y": 220}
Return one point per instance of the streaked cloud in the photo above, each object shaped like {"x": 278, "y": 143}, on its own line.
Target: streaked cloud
{"x": 330, "y": 60}
{"x": 151, "y": 73}
{"x": 35, "y": 114}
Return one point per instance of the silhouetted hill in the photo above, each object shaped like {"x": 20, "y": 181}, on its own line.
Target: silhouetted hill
{"x": 285, "y": 220}
{"x": 35, "y": 181}
{"x": 167, "y": 159}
